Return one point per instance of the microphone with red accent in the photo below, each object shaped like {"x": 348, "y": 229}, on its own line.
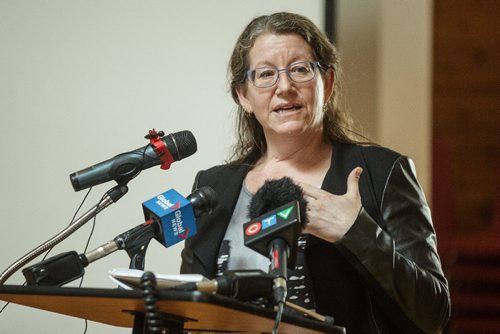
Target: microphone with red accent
{"x": 162, "y": 150}
{"x": 277, "y": 213}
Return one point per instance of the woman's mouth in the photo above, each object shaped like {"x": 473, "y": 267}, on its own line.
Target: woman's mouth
{"x": 282, "y": 109}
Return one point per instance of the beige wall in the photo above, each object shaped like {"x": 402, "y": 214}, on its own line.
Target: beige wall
{"x": 82, "y": 81}
{"x": 386, "y": 47}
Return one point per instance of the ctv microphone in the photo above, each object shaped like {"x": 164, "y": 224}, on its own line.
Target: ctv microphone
{"x": 277, "y": 211}
{"x": 162, "y": 150}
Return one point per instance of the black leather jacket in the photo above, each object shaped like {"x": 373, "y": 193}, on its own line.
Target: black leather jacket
{"x": 384, "y": 275}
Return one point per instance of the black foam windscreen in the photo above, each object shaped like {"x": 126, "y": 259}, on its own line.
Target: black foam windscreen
{"x": 275, "y": 193}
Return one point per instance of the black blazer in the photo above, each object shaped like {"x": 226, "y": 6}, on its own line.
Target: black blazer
{"x": 384, "y": 275}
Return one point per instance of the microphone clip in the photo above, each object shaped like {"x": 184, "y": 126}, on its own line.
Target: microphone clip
{"x": 152, "y": 134}
{"x": 160, "y": 148}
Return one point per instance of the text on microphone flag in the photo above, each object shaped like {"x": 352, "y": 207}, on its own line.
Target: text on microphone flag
{"x": 268, "y": 222}
{"x": 284, "y": 214}
{"x": 165, "y": 203}
{"x": 253, "y": 228}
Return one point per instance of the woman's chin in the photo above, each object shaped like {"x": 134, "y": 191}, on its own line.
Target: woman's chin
{"x": 290, "y": 129}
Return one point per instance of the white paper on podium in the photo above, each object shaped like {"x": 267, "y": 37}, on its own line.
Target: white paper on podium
{"x": 131, "y": 278}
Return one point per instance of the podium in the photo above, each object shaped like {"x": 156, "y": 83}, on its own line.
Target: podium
{"x": 196, "y": 311}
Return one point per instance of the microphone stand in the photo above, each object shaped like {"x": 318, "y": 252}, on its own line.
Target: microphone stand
{"x": 111, "y": 196}
{"x": 69, "y": 266}
{"x": 66, "y": 267}
{"x": 135, "y": 242}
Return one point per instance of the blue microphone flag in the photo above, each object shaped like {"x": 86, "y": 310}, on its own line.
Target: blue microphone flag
{"x": 175, "y": 215}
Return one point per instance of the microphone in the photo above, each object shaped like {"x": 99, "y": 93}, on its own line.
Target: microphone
{"x": 244, "y": 285}
{"x": 277, "y": 213}
{"x": 162, "y": 150}
{"x": 66, "y": 267}
{"x": 175, "y": 214}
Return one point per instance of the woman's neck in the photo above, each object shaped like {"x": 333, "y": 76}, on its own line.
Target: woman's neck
{"x": 304, "y": 159}
{"x": 296, "y": 151}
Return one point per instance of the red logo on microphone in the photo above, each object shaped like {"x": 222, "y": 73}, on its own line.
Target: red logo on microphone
{"x": 184, "y": 235}
{"x": 253, "y": 228}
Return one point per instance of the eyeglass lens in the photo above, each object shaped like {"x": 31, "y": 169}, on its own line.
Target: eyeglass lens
{"x": 297, "y": 72}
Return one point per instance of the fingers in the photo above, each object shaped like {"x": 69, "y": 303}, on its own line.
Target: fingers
{"x": 353, "y": 182}
{"x": 352, "y": 185}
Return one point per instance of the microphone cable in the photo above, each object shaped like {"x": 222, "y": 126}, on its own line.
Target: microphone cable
{"x": 88, "y": 241}
{"x": 50, "y": 249}
{"x": 277, "y": 320}
{"x": 71, "y": 222}
{"x": 153, "y": 318}
{"x": 85, "y": 250}
{"x": 86, "y": 247}
{"x": 279, "y": 293}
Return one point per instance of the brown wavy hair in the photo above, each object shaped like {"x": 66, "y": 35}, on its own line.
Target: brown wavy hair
{"x": 337, "y": 124}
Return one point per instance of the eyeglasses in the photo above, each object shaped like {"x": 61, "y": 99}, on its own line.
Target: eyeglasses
{"x": 263, "y": 77}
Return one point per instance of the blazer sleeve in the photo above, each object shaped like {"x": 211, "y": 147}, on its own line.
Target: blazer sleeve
{"x": 401, "y": 261}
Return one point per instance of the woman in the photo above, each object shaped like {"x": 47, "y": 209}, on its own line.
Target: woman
{"x": 370, "y": 257}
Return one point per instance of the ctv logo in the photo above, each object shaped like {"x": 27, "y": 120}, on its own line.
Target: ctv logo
{"x": 285, "y": 213}
{"x": 165, "y": 204}
{"x": 268, "y": 222}
{"x": 256, "y": 227}
{"x": 253, "y": 228}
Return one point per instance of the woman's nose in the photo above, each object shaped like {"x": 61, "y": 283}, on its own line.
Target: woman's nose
{"x": 284, "y": 82}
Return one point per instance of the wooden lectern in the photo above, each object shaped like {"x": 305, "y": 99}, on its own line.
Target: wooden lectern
{"x": 192, "y": 311}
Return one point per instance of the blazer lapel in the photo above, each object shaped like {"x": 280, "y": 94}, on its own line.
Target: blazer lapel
{"x": 212, "y": 228}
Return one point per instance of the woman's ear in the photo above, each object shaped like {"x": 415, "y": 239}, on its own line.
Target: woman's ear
{"x": 329, "y": 83}
{"x": 241, "y": 91}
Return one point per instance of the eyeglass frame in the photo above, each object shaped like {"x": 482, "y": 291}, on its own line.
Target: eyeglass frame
{"x": 316, "y": 65}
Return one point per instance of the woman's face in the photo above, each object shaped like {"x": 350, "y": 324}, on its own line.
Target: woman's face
{"x": 287, "y": 108}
